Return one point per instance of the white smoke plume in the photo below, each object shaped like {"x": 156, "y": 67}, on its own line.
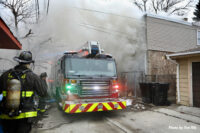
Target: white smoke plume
{"x": 117, "y": 24}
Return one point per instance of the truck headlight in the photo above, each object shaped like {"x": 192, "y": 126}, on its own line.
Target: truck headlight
{"x": 68, "y": 86}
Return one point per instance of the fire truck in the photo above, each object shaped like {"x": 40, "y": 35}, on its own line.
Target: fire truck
{"x": 86, "y": 81}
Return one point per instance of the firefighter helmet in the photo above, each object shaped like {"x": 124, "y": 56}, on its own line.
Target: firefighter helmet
{"x": 44, "y": 74}
{"x": 24, "y": 57}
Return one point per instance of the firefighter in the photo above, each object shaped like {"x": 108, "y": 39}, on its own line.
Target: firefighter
{"x": 42, "y": 100}
{"x": 19, "y": 87}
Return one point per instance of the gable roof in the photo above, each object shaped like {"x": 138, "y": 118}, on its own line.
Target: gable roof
{"x": 169, "y": 19}
{"x": 7, "y": 39}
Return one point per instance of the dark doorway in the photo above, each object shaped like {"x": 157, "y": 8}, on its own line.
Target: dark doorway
{"x": 196, "y": 83}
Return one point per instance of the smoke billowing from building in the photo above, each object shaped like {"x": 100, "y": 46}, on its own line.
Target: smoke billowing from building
{"x": 117, "y": 24}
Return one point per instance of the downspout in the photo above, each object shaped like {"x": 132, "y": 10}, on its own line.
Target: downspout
{"x": 177, "y": 74}
{"x": 146, "y": 48}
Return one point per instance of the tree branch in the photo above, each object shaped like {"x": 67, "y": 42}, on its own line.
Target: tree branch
{"x": 182, "y": 8}
{"x": 168, "y": 6}
{"x": 28, "y": 34}
{"x": 139, "y": 5}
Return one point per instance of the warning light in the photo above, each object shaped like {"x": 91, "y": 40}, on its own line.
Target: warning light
{"x": 116, "y": 86}
{"x": 68, "y": 86}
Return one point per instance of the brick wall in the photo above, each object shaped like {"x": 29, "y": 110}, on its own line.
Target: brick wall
{"x": 158, "y": 64}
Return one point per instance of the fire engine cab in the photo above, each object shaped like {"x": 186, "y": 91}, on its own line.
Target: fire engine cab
{"x": 86, "y": 81}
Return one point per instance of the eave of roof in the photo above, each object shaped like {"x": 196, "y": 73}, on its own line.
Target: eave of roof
{"x": 169, "y": 19}
{"x": 187, "y": 53}
{"x": 183, "y": 54}
{"x": 9, "y": 37}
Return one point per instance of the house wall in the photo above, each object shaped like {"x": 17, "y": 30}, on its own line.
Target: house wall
{"x": 158, "y": 64}
{"x": 164, "y": 35}
{"x": 185, "y": 79}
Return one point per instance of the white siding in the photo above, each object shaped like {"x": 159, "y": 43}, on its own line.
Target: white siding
{"x": 163, "y": 35}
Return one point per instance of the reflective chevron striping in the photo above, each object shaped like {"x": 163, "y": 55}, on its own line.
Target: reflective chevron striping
{"x": 87, "y": 107}
{"x": 124, "y": 103}
{"x": 73, "y": 110}
{"x": 111, "y": 105}
{"x": 81, "y": 108}
{"x": 92, "y": 107}
{"x": 107, "y": 106}
{"x": 71, "y": 107}
{"x": 66, "y": 108}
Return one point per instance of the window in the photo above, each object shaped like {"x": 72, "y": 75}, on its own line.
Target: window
{"x": 198, "y": 37}
{"x": 90, "y": 67}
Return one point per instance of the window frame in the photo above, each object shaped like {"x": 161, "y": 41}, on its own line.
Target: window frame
{"x": 198, "y": 42}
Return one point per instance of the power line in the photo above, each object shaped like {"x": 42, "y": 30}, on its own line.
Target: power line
{"x": 107, "y": 32}
{"x": 90, "y": 10}
{"x": 100, "y": 27}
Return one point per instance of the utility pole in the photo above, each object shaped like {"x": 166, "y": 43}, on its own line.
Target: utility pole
{"x": 48, "y": 6}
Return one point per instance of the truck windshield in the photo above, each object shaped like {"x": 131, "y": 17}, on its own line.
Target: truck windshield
{"x": 90, "y": 67}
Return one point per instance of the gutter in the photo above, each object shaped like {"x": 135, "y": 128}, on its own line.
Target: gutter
{"x": 182, "y": 54}
{"x": 177, "y": 74}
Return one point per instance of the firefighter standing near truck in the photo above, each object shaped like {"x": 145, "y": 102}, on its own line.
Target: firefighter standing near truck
{"x": 42, "y": 100}
{"x": 19, "y": 87}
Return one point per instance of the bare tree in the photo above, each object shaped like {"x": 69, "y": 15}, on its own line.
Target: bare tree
{"x": 141, "y": 4}
{"x": 37, "y": 9}
{"x": 178, "y": 7}
{"x": 21, "y": 10}
{"x": 48, "y": 6}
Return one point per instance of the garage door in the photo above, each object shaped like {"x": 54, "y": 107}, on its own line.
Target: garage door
{"x": 196, "y": 83}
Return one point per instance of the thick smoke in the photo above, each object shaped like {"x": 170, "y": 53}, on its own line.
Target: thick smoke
{"x": 117, "y": 24}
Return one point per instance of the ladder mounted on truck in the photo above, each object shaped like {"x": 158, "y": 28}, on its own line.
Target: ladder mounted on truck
{"x": 91, "y": 49}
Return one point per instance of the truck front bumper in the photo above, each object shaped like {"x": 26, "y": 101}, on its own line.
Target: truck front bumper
{"x": 70, "y": 107}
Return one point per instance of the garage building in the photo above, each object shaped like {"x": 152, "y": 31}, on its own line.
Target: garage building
{"x": 188, "y": 76}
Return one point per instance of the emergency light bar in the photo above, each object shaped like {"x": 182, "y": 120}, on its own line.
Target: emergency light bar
{"x": 70, "y": 52}
{"x": 89, "y": 49}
